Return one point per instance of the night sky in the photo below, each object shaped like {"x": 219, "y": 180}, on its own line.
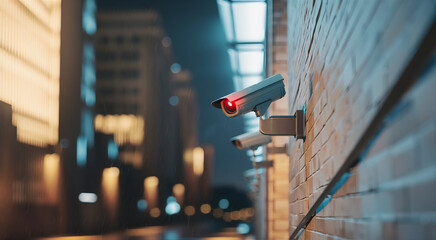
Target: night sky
{"x": 199, "y": 45}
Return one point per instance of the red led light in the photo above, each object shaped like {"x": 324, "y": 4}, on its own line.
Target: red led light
{"x": 229, "y": 106}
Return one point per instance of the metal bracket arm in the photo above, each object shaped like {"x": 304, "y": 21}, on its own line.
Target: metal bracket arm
{"x": 284, "y": 125}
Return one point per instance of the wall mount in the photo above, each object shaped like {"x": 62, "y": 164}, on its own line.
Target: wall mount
{"x": 284, "y": 125}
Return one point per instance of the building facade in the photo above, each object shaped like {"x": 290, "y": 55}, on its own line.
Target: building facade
{"x": 133, "y": 85}
{"x": 364, "y": 73}
{"x": 29, "y": 99}
{"x": 134, "y": 100}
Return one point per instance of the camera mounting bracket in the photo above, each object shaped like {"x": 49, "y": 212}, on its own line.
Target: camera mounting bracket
{"x": 261, "y": 109}
{"x": 284, "y": 125}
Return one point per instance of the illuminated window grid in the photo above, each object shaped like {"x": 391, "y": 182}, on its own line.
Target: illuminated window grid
{"x": 127, "y": 129}
{"x": 29, "y": 67}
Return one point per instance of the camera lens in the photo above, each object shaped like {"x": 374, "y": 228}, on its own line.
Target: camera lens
{"x": 229, "y": 106}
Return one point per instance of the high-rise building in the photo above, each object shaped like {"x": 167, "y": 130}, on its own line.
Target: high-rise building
{"x": 132, "y": 83}
{"x": 29, "y": 68}
{"x": 8, "y": 148}
{"x": 29, "y": 96}
{"x": 198, "y": 160}
{"x": 188, "y": 108}
{"x": 133, "y": 99}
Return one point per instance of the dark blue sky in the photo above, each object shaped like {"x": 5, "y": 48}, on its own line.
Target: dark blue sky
{"x": 199, "y": 45}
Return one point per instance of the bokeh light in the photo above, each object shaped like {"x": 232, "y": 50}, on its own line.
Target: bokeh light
{"x": 243, "y": 228}
{"x": 189, "y": 210}
{"x": 155, "y": 212}
{"x": 205, "y": 208}
{"x": 223, "y": 203}
{"x": 141, "y": 205}
{"x": 217, "y": 213}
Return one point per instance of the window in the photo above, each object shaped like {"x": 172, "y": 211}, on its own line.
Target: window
{"x": 105, "y": 74}
{"x": 130, "y": 74}
{"x": 130, "y": 56}
{"x": 103, "y": 40}
{"x": 129, "y": 91}
{"x": 120, "y": 40}
{"x": 105, "y": 56}
{"x": 136, "y": 39}
{"x": 105, "y": 91}
{"x": 127, "y": 108}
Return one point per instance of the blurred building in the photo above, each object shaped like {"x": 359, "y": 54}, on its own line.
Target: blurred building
{"x": 80, "y": 164}
{"x": 133, "y": 99}
{"x": 187, "y": 103}
{"x": 133, "y": 84}
{"x": 198, "y": 160}
{"x": 90, "y": 128}
{"x": 29, "y": 62}
{"x": 8, "y": 149}
{"x": 29, "y": 99}
{"x": 186, "y": 98}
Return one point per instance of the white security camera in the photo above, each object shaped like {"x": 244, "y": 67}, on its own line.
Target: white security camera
{"x": 255, "y": 98}
{"x": 250, "y": 140}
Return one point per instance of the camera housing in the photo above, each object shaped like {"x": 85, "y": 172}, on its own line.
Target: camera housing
{"x": 251, "y": 140}
{"x": 255, "y": 98}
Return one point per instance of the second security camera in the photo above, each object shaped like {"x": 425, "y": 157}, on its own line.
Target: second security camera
{"x": 255, "y": 98}
{"x": 250, "y": 140}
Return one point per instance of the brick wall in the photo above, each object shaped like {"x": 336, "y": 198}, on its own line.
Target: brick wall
{"x": 277, "y": 176}
{"x": 343, "y": 57}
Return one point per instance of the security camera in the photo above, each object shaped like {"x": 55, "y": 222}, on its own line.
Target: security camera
{"x": 255, "y": 98}
{"x": 250, "y": 140}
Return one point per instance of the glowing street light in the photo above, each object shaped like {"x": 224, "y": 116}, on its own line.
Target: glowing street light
{"x": 51, "y": 176}
{"x": 151, "y": 190}
{"x": 179, "y": 192}
{"x": 110, "y": 186}
{"x": 198, "y": 161}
